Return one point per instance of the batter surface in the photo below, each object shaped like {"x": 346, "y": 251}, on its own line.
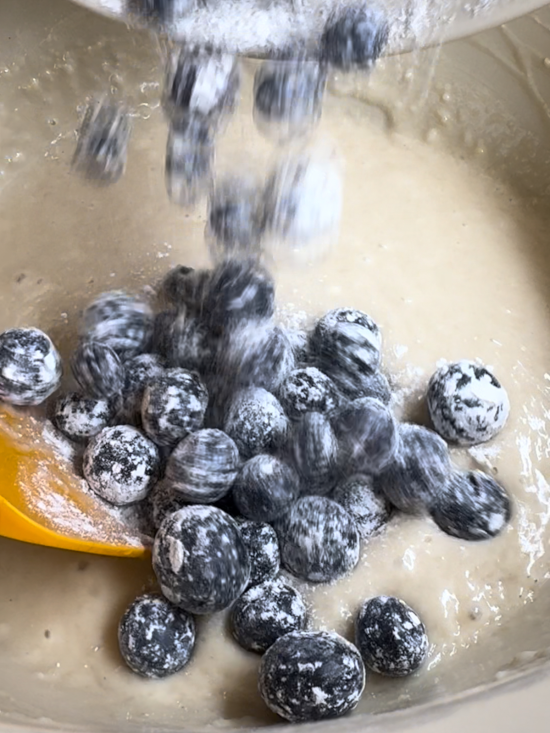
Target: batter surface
{"x": 451, "y": 263}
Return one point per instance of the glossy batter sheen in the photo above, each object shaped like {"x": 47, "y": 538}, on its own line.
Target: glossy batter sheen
{"x": 450, "y": 262}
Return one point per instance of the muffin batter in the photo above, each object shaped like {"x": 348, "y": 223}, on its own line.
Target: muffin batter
{"x": 450, "y": 262}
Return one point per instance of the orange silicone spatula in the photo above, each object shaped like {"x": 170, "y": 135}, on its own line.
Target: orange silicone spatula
{"x": 43, "y": 502}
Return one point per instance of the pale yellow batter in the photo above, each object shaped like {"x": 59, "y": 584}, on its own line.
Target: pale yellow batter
{"x": 450, "y": 261}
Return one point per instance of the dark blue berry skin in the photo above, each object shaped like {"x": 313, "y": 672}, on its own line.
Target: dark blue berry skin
{"x": 184, "y": 288}
{"x": 102, "y": 144}
{"x": 203, "y": 466}
{"x": 356, "y": 384}
{"x": 239, "y": 291}
{"x": 263, "y": 551}
{"x": 316, "y": 453}
{"x": 97, "y": 369}
{"x": 308, "y": 390}
{"x": 30, "y": 367}
{"x": 155, "y": 638}
{"x": 472, "y": 506}
{"x": 200, "y": 83}
{"x": 138, "y": 373}
{"x": 234, "y": 228}
{"x": 369, "y": 511}
{"x": 345, "y": 345}
{"x": 289, "y": 93}
{"x": 162, "y": 501}
{"x": 188, "y": 166}
{"x": 200, "y": 560}
{"x": 188, "y": 344}
{"x": 256, "y": 421}
{"x": 119, "y": 320}
{"x": 173, "y": 406}
{"x": 318, "y": 539}
{"x": 79, "y": 417}
{"x": 390, "y": 636}
{"x": 354, "y": 37}
{"x": 265, "y": 613}
{"x": 419, "y": 471}
{"x": 368, "y": 435}
{"x": 311, "y": 675}
{"x": 265, "y": 488}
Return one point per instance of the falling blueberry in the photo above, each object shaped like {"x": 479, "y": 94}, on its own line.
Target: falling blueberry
{"x": 354, "y": 37}
{"x": 30, "y": 366}
{"x": 97, "y": 369}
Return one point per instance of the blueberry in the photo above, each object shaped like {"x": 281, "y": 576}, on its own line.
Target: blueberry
{"x": 79, "y": 417}
{"x": 258, "y": 355}
{"x": 355, "y": 384}
{"x": 256, "y": 422}
{"x": 299, "y": 342}
{"x": 234, "y": 227}
{"x": 121, "y": 465}
{"x": 316, "y": 453}
{"x": 263, "y": 551}
{"x": 418, "y": 472}
{"x": 368, "y": 435}
{"x": 289, "y": 94}
{"x": 102, "y": 145}
{"x": 30, "y": 367}
{"x": 189, "y": 344}
{"x": 173, "y": 406}
{"x": 318, "y": 539}
{"x": 467, "y": 404}
{"x": 185, "y": 288}
{"x": 160, "y": 12}
{"x": 265, "y": 488}
{"x": 303, "y": 200}
{"x": 188, "y": 168}
{"x": 138, "y": 373}
{"x": 311, "y": 675}
{"x": 390, "y": 636}
{"x": 162, "y": 501}
{"x": 472, "y": 506}
{"x": 369, "y": 511}
{"x": 121, "y": 321}
{"x": 200, "y": 560}
{"x": 345, "y": 344}
{"x": 97, "y": 369}
{"x": 354, "y": 37}
{"x": 203, "y": 466}
{"x": 161, "y": 339}
{"x": 265, "y": 613}
{"x": 155, "y": 638}
{"x": 239, "y": 291}
{"x": 200, "y": 83}
{"x": 308, "y": 390}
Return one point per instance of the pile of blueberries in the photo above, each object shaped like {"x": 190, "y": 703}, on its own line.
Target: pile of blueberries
{"x": 253, "y": 447}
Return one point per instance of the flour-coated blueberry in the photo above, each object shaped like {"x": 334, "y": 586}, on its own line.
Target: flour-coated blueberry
{"x": 30, "y": 366}
{"x": 467, "y": 404}
{"x": 256, "y": 421}
{"x": 102, "y": 145}
{"x": 97, "y": 369}
{"x": 188, "y": 167}
{"x": 185, "y": 288}
{"x": 418, "y": 472}
{"x": 265, "y": 488}
{"x": 311, "y": 675}
{"x": 173, "y": 406}
{"x": 239, "y": 290}
{"x": 200, "y": 560}
{"x": 80, "y": 417}
{"x": 368, "y": 435}
{"x": 203, "y": 466}
{"x": 156, "y": 639}
{"x": 319, "y": 540}
{"x": 354, "y": 37}
{"x": 472, "y": 506}
{"x": 265, "y": 613}
{"x": 122, "y": 321}
{"x": 308, "y": 390}
{"x": 370, "y": 511}
{"x": 317, "y": 453}
{"x": 162, "y": 501}
{"x": 390, "y": 636}
{"x": 263, "y": 551}
{"x": 121, "y": 465}
{"x": 138, "y": 373}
